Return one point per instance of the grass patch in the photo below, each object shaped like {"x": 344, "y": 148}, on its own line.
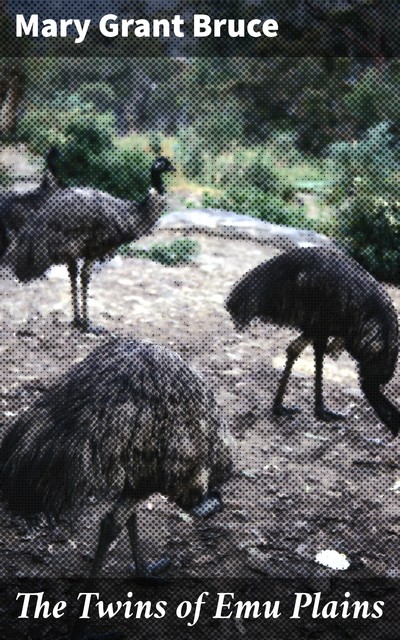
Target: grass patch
{"x": 170, "y": 254}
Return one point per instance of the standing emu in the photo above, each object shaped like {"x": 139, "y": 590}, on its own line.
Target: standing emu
{"x": 70, "y": 224}
{"x": 325, "y": 294}
{"x": 131, "y": 419}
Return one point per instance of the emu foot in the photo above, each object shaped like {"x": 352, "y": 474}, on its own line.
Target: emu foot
{"x": 149, "y": 572}
{"x": 96, "y": 330}
{"x": 328, "y": 416}
{"x": 280, "y": 411}
{"x": 88, "y": 327}
{"x": 77, "y": 323}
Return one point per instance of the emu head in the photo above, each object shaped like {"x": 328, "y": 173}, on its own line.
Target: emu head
{"x": 376, "y": 349}
{"x": 160, "y": 166}
{"x": 200, "y": 501}
{"x": 242, "y": 304}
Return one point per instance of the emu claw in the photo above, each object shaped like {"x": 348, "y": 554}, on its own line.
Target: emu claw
{"x": 280, "y": 411}
{"x": 328, "y": 416}
{"x": 88, "y": 327}
{"x": 95, "y": 330}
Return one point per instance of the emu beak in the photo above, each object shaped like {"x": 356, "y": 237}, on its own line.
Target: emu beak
{"x": 171, "y": 168}
{"x": 212, "y": 503}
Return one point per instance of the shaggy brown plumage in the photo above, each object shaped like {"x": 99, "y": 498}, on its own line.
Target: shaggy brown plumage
{"x": 133, "y": 419}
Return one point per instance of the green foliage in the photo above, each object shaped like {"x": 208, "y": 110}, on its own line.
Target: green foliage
{"x": 253, "y": 185}
{"x": 370, "y": 218}
{"x": 371, "y": 234}
{"x": 88, "y": 156}
{"x": 254, "y": 202}
{"x": 99, "y": 94}
{"x": 369, "y": 165}
{"x": 49, "y": 125}
{"x": 374, "y": 98}
{"x": 210, "y": 135}
{"x": 177, "y": 252}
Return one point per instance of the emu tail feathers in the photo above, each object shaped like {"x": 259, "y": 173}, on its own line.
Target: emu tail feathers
{"x": 384, "y": 409}
{"x": 32, "y": 257}
{"x": 40, "y": 473}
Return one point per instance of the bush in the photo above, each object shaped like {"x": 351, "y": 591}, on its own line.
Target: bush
{"x": 253, "y": 185}
{"x": 369, "y": 165}
{"x": 374, "y": 97}
{"x": 123, "y": 173}
{"x": 88, "y": 156}
{"x": 207, "y": 138}
{"x": 370, "y": 221}
{"x": 47, "y": 126}
{"x": 177, "y": 252}
{"x": 371, "y": 234}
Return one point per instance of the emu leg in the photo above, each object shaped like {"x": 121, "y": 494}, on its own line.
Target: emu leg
{"x": 86, "y": 273}
{"x": 293, "y": 352}
{"x": 134, "y": 542}
{"x": 320, "y": 411}
{"x": 144, "y": 571}
{"x": 110, "y": 528}
{"x": 73, "y": 276}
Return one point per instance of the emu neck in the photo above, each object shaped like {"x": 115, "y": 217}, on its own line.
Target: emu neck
{"x": 386, "y": 411}
{"x": 157, "y": 183}
{"x": 49, "y": 182}
{"x": 144, "y": 215}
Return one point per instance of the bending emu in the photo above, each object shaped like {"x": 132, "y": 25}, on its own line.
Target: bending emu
{"x": 77, "y": 223}
{"x": 131, "y": 418}
{"x": 325, "y": 294}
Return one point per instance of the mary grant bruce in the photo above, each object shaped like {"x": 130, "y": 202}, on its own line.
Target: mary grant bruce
{"x": 111, "y": 26}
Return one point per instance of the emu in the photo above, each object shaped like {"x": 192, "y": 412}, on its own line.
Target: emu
{"x": 325, "y": 295}
{"x": 15, "y": 208}
{"x": 131, "y": 419}
{"x": 67, "y": 225}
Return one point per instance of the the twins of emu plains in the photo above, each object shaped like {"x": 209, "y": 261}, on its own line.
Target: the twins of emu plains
{"x": 55, "y": 225}
{"x": 130, "y": 420}
{"x": 325, "y": 294}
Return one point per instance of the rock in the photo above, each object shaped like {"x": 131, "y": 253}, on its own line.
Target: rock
{"x": 233, "y": 225}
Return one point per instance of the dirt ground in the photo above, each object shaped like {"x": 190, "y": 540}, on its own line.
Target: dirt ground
{"x": 299, "y": 485}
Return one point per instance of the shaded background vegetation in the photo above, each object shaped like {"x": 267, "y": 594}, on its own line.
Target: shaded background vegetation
{"x": 309, "y": 142}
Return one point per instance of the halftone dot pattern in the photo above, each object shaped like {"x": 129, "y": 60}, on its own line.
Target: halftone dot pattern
{"x": 199, "y": 406}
